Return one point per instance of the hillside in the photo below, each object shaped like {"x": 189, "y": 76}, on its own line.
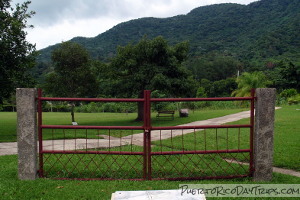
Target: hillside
{"x": 260, "y": 31}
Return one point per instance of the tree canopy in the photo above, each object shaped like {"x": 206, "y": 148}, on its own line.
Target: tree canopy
{"x": 72, "y": 76}
{"x": 247, "y": 81}
{"x": 288, "y": 75}
{"x": 152, "y": 65}
{"x": 17, "y": 55}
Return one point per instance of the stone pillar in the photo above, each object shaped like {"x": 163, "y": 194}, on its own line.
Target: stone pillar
{"x": 27, "y": 133}
{"x": 263, "y": 133}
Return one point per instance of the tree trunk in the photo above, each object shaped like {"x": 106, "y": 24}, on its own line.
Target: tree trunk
{"x": 140, "y": 116}
{"x": 72, "y": 112}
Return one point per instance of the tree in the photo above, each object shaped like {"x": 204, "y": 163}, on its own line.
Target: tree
{"x": 17, "y": 55}
{"x": 152, "y": 65}
{"x": 223, "y": 88}
{"x": 247, "y": 81}
{"x": 289, "y": 75}
{"x": 214, "y": 67}
{"x": 72, "y": 76}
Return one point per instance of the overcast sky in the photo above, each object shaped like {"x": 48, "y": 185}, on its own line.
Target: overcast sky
{"x": 61, "y": 20}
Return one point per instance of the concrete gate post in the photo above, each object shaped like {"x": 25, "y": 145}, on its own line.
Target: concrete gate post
{"x": 263, "y": 133}
{"x": 27, "y": 133}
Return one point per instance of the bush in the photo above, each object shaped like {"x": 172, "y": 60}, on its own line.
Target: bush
{"x": 55, "y": 106}
{"x": 280, "y": 100}
{"x": 106, "y": 107}
{"x": 159, "y": 106}
{"x": 287, "y": 93}
{"x": 294, "y": 100}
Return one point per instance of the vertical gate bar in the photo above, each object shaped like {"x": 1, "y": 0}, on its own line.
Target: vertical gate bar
{"x": 64, "y": 141}
{"x": 195, "y": 139}
{"x": 160, "y": 140}
{"x": 227, "y": 138}
{"x": 145, "y": 164}
{"x": 131, "y": 139}
{"x": 239, "y": 139}
{"x": 75, "y": 139}
{"x": 86, "y": 142}
{"x": 147, "y": 115}
{"x": 217, "y": 139}
{"x": 41, "y": 162}
{"x": 149, "y": 156}
{"x": 98, "y": 133}
{"x": 182, "y": 140}
{"x": 205, "y": 139}
{"x": 109, "y": 140}
{"x": 145, "y": 155}
{"x": 251, "y": 166}
{"x": 52, "y": 139}
{"x": 172, "y": 140}
{"x": 120, "y": 146}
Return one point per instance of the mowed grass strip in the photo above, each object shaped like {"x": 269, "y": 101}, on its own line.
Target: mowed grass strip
{"x": 13, "y": 188}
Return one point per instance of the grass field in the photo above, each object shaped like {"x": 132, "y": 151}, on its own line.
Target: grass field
{"x": 286, "y": 154}
{"x": 12, "y": 188}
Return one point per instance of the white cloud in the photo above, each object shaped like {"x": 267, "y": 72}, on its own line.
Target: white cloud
{"x": 67, "y": 29}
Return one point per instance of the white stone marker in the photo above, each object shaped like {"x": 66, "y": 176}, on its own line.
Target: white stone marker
{"x": 155, "y": 195}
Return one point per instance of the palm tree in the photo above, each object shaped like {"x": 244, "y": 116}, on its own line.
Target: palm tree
{"x": 247, "y": 81}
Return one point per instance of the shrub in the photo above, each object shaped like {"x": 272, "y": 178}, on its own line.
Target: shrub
{"x": 106, "y": 107}
{"x": 287, "y": 93}
{"x": 294, "y": 99}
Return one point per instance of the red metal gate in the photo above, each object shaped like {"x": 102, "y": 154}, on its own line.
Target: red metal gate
{"x": 173, "y": 153}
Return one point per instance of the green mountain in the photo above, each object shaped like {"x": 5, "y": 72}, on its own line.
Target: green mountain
{"x": 261, "y": 31}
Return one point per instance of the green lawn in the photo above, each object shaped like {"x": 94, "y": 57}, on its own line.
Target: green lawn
{"x": 12, "y": 188}
{"x": 286, "y": 154}
{"x": 287, "y": 138}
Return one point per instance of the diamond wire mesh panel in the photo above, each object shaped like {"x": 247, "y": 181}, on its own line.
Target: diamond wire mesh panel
{"x": 117, "y": 154}
{"x": 93, "y": 154}
{"x": 196, "y": 166}
{"x": 93, "y": 166}
{"x": 208, "y": 153}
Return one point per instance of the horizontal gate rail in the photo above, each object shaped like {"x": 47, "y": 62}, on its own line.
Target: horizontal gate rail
{"x": 201, "y": 99}
{"x": 200, "y": 127}
{"x": 92, "y": 127}
{"x": 93, "y": 152}
{"x": 142, "y": 100}
{"x": 201, "y": 152}
{"x": 90, "y": 99}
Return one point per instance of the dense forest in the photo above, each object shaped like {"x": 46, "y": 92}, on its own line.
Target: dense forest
{"x": 260, "y": 31}
{"x": 218, "y": 42}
